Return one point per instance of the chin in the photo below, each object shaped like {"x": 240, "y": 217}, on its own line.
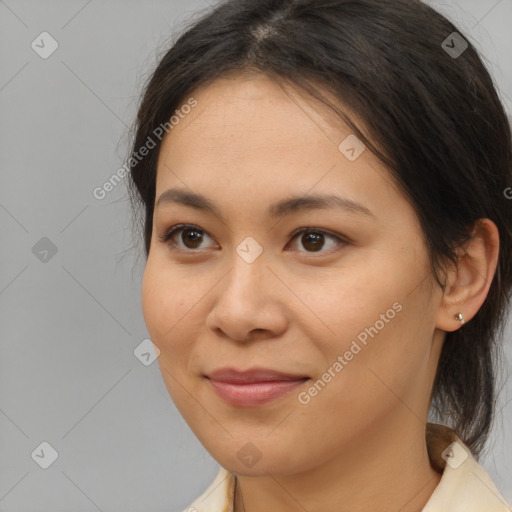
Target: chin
{"x": 248, "y": 460}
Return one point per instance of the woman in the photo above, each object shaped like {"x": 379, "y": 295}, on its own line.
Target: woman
{"x": 328, "y": 243}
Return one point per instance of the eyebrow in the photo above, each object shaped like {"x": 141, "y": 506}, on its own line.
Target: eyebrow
{"x": 276, "y": 210}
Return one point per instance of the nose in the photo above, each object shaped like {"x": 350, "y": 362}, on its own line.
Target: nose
{"x": 248, "y": 302}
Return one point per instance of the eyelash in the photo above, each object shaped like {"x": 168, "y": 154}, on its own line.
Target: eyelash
{"x": 167, "y": 237}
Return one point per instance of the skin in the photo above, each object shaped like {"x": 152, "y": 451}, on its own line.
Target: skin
{"x": 359, "y": 444}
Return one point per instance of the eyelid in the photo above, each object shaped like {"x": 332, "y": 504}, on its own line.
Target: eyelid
{"x": 167, "y": 236}
{"x": 341, "y": 240}
{"x": 340, "y": 237}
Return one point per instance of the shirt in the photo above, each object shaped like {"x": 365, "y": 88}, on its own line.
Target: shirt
{"x": 464, "y": 486}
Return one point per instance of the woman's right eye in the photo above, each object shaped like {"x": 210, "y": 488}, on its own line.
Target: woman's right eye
{"x": 191, "y": 237}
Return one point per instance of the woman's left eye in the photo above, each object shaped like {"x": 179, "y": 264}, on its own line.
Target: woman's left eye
{"x": 192, "y": 237}
{"x": 314, "y": 239}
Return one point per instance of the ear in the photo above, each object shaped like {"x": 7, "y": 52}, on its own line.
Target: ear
{"x": 468, "y": 283}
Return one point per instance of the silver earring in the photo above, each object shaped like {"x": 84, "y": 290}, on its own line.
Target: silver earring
{"x": 460, "y": 318}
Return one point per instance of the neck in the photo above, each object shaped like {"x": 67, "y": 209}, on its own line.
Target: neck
{"x": 384, "y": 471}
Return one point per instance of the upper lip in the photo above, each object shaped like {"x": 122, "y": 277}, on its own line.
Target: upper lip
{"x": 232, "y": 375}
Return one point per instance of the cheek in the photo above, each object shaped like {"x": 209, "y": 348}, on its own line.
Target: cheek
{"x": 376, "y": 318}
{"x": 151, "y": 296}
{"x": 165, "y": 305}
{"x": 347, "y": 301}
{"x": 379, "y": 363}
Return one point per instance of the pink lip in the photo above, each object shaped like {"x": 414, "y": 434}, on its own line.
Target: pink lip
{"x": 254, "y": 387}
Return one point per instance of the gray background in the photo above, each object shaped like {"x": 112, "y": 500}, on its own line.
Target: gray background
{"x": 70, "y": 323}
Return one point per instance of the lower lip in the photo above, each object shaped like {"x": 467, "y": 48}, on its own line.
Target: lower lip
{"x": 255, "y": 394}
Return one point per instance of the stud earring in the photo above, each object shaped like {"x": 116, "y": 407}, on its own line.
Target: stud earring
{"x": 460, "y": 318}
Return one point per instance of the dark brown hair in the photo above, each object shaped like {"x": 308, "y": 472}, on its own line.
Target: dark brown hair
{"x": 445, "y": 136}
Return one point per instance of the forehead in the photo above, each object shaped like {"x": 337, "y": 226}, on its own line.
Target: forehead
{"x": 250, "y": 100}
{"x": 249, "y": 116}
{"x": 251, "y": 136}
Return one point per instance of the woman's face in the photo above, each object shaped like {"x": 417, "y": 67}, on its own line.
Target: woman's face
{"x": 348, "y": 304}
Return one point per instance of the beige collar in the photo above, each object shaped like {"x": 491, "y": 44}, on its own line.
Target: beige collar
{"x": 464, "y": 486}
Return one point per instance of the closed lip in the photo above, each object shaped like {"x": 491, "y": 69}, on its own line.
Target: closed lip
{"x": 235, "y": 376}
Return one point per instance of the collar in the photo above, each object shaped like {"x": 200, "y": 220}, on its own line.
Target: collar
{"x": 464, "y": 486}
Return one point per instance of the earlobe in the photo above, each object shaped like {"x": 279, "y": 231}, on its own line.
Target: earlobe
{"x": 468, "y": 283}
{"x": 460, "y": 318}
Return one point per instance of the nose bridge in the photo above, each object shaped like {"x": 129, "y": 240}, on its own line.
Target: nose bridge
{"x": 249, "y": 266}
{"x": 244, "y": 301}
{"x": 249, "y": 250}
